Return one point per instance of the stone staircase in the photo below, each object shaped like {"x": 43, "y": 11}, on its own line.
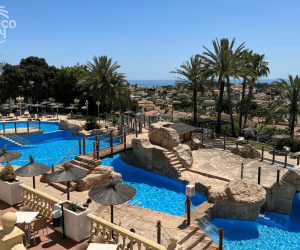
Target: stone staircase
{"x": 193, "y": 238}
{"x": 9, "y": 142}
{"x": 83, "y": 162}
{"x": 174, "y": 161}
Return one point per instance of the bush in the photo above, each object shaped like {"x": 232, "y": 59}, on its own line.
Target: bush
{"x": 290, "y": 142}
{"x": 91, "y": 123}
{"x": 8, "y": 173}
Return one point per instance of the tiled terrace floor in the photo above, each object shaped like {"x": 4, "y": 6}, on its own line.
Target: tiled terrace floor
{"x": 143, "y": 220}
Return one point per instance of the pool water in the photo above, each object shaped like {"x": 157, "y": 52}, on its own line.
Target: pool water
{"x": 50, "y": 152}
{"x": 45, "y": 126}
{"x": 280, "y": 163}
{"x": 153, "y": 190}
{"x": 273, "y": 231}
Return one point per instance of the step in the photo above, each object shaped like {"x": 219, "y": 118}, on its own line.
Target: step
{"x": 273, "y": 217}
{"x": 83, "y": 168}
{"x": 63, "y": 187}
{"x": 181, "y": 169}
{"x": 186, "y": 233}
{"x": 267, "y": 215}
{"x": 170, "y": 155}
{"x": 173, "y": 159}
{"x": 194, "y": 240}
{"x": 87, "y": 159}
{"x": 213, "y": 246}
{"x": 283, "y": 222}
{"x": 177, "y": 166}
{"x": 175, "y": 162}
{"x": 278, "y": 220}
{"x": 83, "y": 164}
{"x": 204, "y": 244}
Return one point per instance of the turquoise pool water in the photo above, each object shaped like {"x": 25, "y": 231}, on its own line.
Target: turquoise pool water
{"x": 153, "y": 191}
{"x": 270, "y": 231}
{"x": 45, "y": 126}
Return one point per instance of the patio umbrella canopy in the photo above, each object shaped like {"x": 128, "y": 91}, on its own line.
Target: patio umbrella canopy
{"x": 32, "y": 169}
{"x": 112, "y": 194}
{"x": 249, "y": 129}
{"x": 45, "y": 103}
{"x": 67, "y": 174}
{"x": 280, "y": 136}
{"x": 6, "y": 156}
{"x": 129, "y": 112}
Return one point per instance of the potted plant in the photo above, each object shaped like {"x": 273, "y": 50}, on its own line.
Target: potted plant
{"x": 77, "y": 226}
{"x": 11, "y": 192}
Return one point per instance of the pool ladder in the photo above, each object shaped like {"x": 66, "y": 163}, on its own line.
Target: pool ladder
{"x": 135, "y": 202}
{"x": 272, "y": 217}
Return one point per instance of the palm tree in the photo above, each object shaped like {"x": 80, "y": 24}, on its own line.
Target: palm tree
{"x": 102, "y": 78}
{"x": 260, "y": 67}
{"x": 224, "y": 63}
{"x": 289, "y": 102}
{"x": 193, "y": 77}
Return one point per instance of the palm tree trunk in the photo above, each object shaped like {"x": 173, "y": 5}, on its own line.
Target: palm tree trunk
{"x": 230, "y": 106}
{"x": 220, "y": 104}
{"x": 249, "y": 100}
{"x": 195, "y": 106}
{"x": 292, "y": 126}
{"x": 242, "y": 106}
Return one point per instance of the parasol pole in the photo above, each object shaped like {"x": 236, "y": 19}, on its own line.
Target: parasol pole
{"x": 68, "y": 190}
{"x": 33, "y": 178}
{"x": 112, "y": 214}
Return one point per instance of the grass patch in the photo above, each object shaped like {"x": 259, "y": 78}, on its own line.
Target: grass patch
{"x": 254, "y": 144}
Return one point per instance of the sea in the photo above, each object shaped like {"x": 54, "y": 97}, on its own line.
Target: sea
{"x": 156, "y": 83}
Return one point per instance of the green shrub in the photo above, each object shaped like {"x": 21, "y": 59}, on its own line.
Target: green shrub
{"x": 7, "y": 173}
{"x": 73, "y": 207}
{"x": 91, "y": 123}
{"x": 290, "y": 142}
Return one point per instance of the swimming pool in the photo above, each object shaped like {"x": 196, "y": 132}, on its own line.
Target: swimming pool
{"x": 153, "y": 190}
{"x": 45, "y": 126}
{"x": 270, "y": 231}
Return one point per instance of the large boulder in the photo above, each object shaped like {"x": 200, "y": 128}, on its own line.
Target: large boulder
{"x": 73, "y": 127}
{"x": 165, "y": 137}
{"x": 93, "y": 180}
{"x": 184, "y": 154}
{"x": 248, "y": 151}
{"x": 239, "y": 200}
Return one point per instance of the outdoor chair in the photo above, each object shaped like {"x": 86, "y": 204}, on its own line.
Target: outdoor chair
{"x": 39, "y": 225}
{"x": 22, "y": 227}
{"x": 79, "y": 114}
{"x": 82, "y": 246}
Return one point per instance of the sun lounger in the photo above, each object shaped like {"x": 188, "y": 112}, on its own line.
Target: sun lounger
{"x": 284, "y": 150}
{"x": 240, "y": 139}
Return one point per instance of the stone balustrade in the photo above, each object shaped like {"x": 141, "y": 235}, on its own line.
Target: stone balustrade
{"x": 38, "y": 201}
{"x": 122, "y": 235}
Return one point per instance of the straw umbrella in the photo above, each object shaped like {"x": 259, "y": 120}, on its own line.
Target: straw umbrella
{"x": 56, "y": 107}
{"x": 32, "y": 169}
{"x": 6, "y": 156}
{"x": 112, "y": 194}
{"x": 281, "y": 136}
{"x": 71, "y": 107}
{"x": 67, "y": 174}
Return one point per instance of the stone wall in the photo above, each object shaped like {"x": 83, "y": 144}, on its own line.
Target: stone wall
{"x": 202, "y": 189}
{"x": 149, "y": 157}
{"x": 280, "y": 196}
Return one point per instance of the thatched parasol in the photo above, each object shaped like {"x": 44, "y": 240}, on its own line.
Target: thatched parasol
{"x": 112, "y": 194}
{"x": 67, "y": 174}
{"x": 249, "y": 129}
{"x": 6, "y": 156}
{"x": 32, "y": 169}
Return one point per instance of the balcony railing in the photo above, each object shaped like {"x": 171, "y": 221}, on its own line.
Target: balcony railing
{"x": 38, "y": 201}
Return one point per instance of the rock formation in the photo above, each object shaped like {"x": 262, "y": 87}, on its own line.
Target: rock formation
{"x": 73, "y": 127}
{"x": 150, "y": 157}
{"x": 280, "y": 196}
{"x": 239, "y": 200}
{"x": 247, "y": 151}
{"x": 165, "y": 137}
{"x": 184, "y": 154}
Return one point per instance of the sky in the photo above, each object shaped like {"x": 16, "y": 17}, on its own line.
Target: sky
{"x": 149, "y": 38}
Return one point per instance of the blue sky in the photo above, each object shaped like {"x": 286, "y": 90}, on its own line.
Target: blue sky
{"x": 150, "y": 38}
